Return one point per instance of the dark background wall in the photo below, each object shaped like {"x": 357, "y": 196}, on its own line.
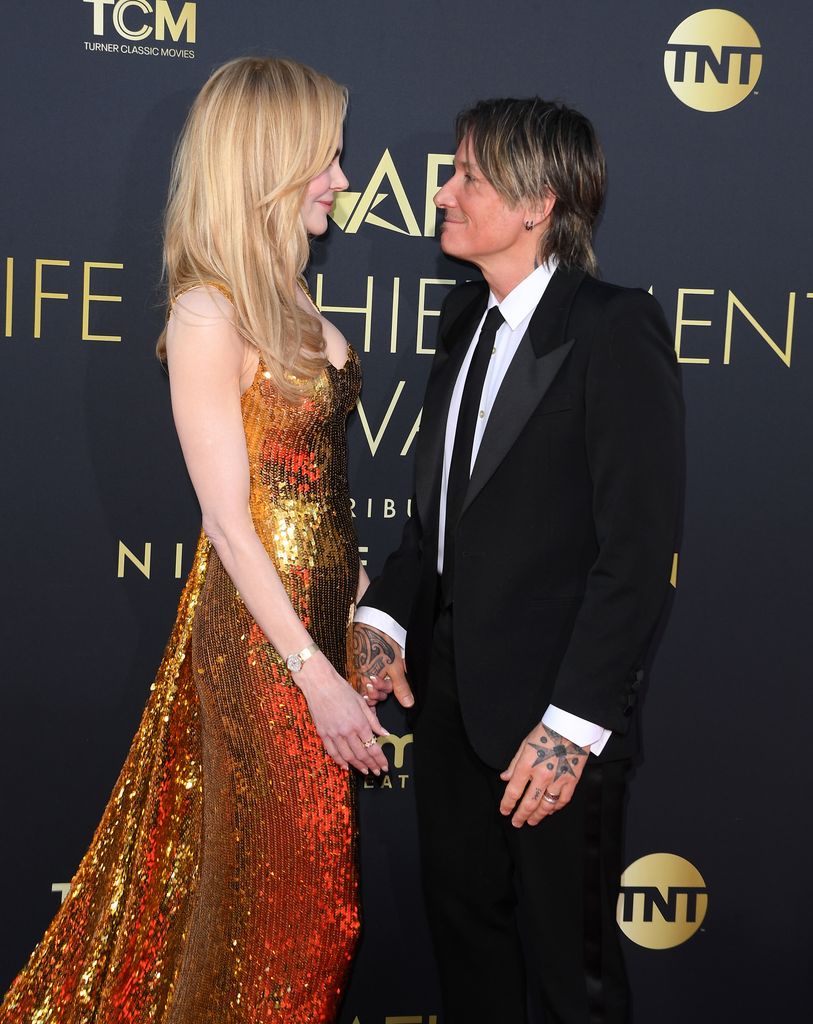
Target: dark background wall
{"x": 712, "y": 210}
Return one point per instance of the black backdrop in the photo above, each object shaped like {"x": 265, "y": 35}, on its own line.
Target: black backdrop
{"x": 709, "y": 209}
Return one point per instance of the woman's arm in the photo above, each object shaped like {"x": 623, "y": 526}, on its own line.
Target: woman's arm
{"x": 207, "y": 362}
{"x": 364, "y": 582}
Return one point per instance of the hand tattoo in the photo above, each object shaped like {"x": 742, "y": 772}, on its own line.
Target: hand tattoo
{"x": 559, "y": 753}
{"x": 372, "y": 653}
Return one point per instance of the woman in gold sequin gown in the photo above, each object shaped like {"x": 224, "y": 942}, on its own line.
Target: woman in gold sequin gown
{"x": 221, "y": 884}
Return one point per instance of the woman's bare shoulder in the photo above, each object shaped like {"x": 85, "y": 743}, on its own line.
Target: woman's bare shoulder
{"x": 203, "y": 304}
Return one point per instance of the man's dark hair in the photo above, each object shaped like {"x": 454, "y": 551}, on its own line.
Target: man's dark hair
{"x": 529, "y": 149}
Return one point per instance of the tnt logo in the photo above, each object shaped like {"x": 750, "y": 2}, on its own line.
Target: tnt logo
{"x": 662, "y": 902}
{"x": 137, "y": 19}
{"x": 713, "y": 60}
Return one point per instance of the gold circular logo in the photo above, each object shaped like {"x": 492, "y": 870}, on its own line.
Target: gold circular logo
{"x": 712, "y": 60}
{"x": 662, "y": 902}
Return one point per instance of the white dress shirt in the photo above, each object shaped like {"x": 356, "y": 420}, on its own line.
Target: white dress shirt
{"x": 517, "y": 309}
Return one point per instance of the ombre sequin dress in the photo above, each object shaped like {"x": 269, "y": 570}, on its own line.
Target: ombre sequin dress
{"x": 221, "y": 884}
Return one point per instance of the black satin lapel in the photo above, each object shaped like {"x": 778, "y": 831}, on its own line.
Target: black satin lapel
{"x": 429, "y": 449}
{"x": 521, "y": 391}
{"x": 549, "y": 322}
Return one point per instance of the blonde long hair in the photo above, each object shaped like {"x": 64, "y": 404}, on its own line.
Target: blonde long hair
{"x": 258, "y": 132}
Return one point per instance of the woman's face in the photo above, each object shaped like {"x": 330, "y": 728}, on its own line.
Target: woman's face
{"x": 320, "y": 194}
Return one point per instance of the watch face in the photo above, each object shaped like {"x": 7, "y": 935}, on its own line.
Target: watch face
{"x": 294, "y": 662}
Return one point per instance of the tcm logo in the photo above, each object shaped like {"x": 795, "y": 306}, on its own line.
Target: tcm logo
{"x": 662, "y": 902}
{"x": 352, "y": 209}
{"x": 137, "y": 19}
{"x": 713, "y": 60}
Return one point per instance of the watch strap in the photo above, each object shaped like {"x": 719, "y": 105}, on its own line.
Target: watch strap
{"x": 295, "y": 661}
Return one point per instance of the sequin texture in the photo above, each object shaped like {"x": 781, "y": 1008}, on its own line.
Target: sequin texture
{"x": 221, "y": 884}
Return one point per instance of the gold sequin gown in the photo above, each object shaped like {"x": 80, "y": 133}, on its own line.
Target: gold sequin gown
{"x": 221, "y": 885}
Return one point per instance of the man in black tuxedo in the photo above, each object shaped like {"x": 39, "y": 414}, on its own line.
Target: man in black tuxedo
{"x": 531, "y": 576}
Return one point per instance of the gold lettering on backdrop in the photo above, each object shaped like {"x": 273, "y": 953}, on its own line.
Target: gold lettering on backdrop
{"x": 371, "y": 197}
{"x": 673, "y": 576}
{"x": 386, "y": 782}
{"x": 434, "y": 161}
{"x": 363, "y": 551}
{"x": 9, "y": 292}
{"x": 733, "y": 301}
{"x": 39, "y": 294}
{"x": 367, "y": 309}
{"x": 374, "y": 442}
{"x": 63, "y": 888}
{"x": 680, "y": 322}
{"x": 144, "y": 565}
{"x": 118, "y": 19}
{"x": 416, "y": 426}
{"x": 88, "y": 297}
{"x": 178, "y": 560}
{"x": 396, "y": 296}
{"x": 713, "y": 60}
{"x": 398, "y": 744}
{"x": 352, "y": 209}
{"x": 424, "y": 302}
{"x": 423, "y": 312}
{"x": 164, "y": 19}
{"x": 662, "y": 901}
{"x": 98, "y": 14}
{"x": 125, "y": 555}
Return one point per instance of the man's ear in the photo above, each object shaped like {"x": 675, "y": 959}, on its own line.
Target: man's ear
{"x": 542, "y": 211}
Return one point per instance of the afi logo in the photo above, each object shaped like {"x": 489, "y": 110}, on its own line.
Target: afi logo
{"x": 399, "y": 745}
{"x": 713, "y": 60}
{"x": 137, "y": 19}
{"x": 353, "y": 209}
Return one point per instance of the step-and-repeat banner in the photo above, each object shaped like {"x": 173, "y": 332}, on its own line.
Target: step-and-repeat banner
{"x": 705, "y": 119}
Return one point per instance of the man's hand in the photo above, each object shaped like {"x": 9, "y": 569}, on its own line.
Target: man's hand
{"x": 378, "y": 668}
{"x": 546, "y": 766}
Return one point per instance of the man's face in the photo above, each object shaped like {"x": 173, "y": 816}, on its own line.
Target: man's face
{"x": 478, "y": 225}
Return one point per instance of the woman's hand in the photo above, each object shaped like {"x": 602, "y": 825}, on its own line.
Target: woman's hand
{"x": 344, "y": 722}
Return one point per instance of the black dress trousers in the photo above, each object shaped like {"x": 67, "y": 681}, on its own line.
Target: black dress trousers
{"x": 516, "y": 915}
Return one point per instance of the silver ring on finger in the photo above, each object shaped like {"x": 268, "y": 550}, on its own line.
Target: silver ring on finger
{"x": 369, "y": 743}
{"x": 550, "y": 798}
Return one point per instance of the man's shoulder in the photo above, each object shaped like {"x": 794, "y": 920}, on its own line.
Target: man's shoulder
{"x": 461, "y": 298}
{"x": 463, "y": 295}
{"x": 607, "y": 296}
{"x": 606, "y": 305}
{"x": 612, "y": 318}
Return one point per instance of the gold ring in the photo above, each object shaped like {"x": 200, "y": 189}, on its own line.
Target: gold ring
{"x": 369, "y": 743}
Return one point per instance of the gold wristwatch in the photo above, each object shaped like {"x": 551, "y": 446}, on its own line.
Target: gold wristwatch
{"x": 296, "y": 661}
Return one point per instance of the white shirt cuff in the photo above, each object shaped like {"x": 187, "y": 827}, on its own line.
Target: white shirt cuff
{"x": 577, "y": 730}
{"x": 383, "y": 622}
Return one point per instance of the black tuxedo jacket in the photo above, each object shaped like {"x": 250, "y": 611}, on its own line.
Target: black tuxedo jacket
{"x": 565, "y": 542}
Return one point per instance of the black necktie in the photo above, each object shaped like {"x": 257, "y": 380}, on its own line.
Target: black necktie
{"x": 460, "y": 468}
